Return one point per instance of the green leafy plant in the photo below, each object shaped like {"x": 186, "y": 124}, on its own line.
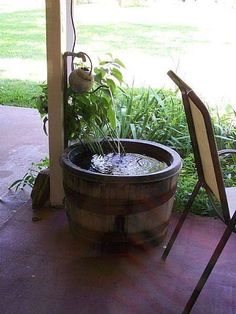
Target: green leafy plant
{"x": 31, "y": 174}
{"x": 92, "y": 114}
{"x": 151, "y": 114}
{"x": 225, "y": 127}
{"x": 158, "y": 115}
{"x": 155, "y": 115}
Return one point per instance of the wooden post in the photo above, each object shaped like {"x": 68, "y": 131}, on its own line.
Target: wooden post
{"x": 55, "y": 97}
{"x": 59, "y": 33}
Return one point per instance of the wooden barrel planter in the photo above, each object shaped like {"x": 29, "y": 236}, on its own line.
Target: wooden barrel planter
{"x": 121, "y": 210}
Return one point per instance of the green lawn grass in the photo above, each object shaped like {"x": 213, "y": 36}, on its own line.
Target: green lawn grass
{"x": 22, "y": 35}
{"x": 161, "y": 40}
{"x": 18, "y": 93}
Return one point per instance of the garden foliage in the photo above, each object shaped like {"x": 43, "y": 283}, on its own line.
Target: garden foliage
{"x": 113, "y": 109}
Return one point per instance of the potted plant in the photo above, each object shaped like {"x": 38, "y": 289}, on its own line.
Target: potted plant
{"x": 89, "y": 114}
{"x": 113, "y": 210}
{"x": 118, "y": 192}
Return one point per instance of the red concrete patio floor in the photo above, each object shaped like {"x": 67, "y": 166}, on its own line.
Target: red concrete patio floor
{"x": 44, "y": 270}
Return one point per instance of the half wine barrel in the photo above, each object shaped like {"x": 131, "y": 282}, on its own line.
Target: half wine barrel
{"x": 114, "y": 210}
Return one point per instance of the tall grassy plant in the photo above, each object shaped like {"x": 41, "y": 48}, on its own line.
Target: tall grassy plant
{"x": 225, "y": 127}
{"x": 155, "y": 115}
{"x": 158, "y": 115}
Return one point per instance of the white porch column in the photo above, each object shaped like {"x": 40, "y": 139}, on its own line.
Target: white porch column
{"x": 59, "y": 39}
{"x": 55, "y": 97}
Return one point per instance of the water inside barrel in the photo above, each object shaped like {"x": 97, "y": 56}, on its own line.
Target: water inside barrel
{"x": 125, "y": 164}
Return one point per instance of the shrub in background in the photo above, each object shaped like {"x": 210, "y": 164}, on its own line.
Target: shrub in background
{"x": 150, "y": 114}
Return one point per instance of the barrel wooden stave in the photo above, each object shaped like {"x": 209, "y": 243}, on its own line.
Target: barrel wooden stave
{"x": 94, "y": 212}
{"x": 120, "y": 210}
